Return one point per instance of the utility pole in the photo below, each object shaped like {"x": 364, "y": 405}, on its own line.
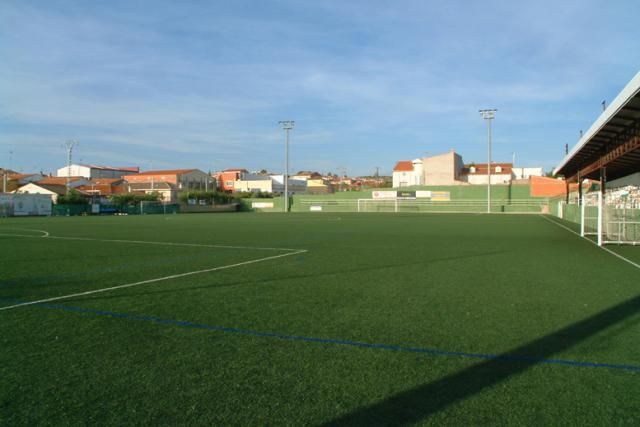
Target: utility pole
{"x": 343, "y": 170}
{"x": 287, "y": 125}
{"x": 69, "y": 144}
{"x": 488, "y": 115}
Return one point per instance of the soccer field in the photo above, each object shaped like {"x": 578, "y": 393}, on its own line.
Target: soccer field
{"x": 303, "y": 319}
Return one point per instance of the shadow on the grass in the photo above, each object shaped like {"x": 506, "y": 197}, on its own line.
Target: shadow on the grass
{"x": 419, "y": 403}
{"x": 367, "y": 268}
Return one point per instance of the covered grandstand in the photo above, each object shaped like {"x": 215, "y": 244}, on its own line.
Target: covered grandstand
{"x": 610, "y": 149}
{"x": 608, "y": 152}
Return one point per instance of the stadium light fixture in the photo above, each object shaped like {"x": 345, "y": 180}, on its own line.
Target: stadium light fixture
{"x": 287, "y": 125}
{"x": 488, "y": 115}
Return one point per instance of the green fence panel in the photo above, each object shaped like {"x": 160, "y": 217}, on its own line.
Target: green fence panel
{"x": 71, "y": 210}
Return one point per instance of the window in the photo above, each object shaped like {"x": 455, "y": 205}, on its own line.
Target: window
{"x": 498, "y": 169}
{"x": 228, "y": 183}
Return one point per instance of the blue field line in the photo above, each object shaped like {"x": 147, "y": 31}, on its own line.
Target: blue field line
{"x": 341, "y": 342}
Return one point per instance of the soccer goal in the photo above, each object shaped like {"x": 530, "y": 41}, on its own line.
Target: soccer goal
{"x": 514, "y": 206}
{"x": 612, "y": 218}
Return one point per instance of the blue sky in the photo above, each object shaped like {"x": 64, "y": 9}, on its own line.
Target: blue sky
{"x": 177, "y": 84}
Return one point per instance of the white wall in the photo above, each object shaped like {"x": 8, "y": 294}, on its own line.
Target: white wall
{"x": 91, "y": 173}
{"x": 35, "y": 189}
{"x": 525, "y": 173}
{"x": 481, "y": 179}
{"x": 75, "y": 170}
{"x": 633, "y": 179}
{"x": 402, "y": 179}
{"x": 24, "y": 204}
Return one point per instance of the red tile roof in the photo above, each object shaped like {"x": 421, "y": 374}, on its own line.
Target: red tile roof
{"x": 19, "y": 176}
{"x": 107, "y": 181}
{"x": 58, "y": 180}
{"x": 403, "y": 166}
{"x": 167, "y": 172}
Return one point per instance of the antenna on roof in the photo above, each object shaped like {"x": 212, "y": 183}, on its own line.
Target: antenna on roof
{"x": 566, "y": 149}
{"x": 604, "y": 105}
{"x": 69, "y": 144}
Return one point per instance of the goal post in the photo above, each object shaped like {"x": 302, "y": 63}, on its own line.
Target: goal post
{"x": 378, "y": 205}
{"x": 591, "y": 215}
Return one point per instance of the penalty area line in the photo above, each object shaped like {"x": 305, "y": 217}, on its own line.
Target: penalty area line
{"x": 143, "y": 242}
{"x": 635, "y": 264}
{"x": 158, "y": 279}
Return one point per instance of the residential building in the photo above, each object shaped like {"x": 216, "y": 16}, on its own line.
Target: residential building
{"x": 269, "y": 184}
{"x": 306, "y": 175}
{"x": 443, "y": 169}
{"x": 74, "y": 181}
{"x": 319, "y": 186}
{"x": 526, "y": 173}
{"x": 94, "y": 171}
{"x": 25, "y": 178}
{"x": 52, "y": 190}
{"x": 476, "y": 173}
{"x": 407, "y": 173}
{"x": 449, "y": 169}
{"x": 103, "y": 188}
{"x": 228, "y": 177}
{"x": 168, "y": 191}
{"x": 182, "y": 179}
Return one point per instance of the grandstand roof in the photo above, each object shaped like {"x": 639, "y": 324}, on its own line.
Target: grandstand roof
{"x": 613, "y": 141}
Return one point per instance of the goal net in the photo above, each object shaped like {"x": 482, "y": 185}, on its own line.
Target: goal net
{"x": 613, "y": 218}
{"x": 621, "y": 215}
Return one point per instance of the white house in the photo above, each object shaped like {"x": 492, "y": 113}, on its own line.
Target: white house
{"x": 407, "y": 173}
{"x": 94, "y": 171}
{"x": 51, "y": 190}
{"x": 476, "y": 173}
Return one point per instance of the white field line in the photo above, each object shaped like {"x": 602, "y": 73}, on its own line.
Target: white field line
{"x": 198, "y": 245}
{"x": 635, "y": 264}
{"x": 146, "y": 242}
{"x": 158, "y": 279}
{"x": 44, "y": 233}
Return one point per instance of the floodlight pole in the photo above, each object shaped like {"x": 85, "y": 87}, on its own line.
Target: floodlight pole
{"x": 287, "y": 125}
{"x": 5, "y": 174}
{"x": 488, "y": 115}
{"x": 69, "y": 144}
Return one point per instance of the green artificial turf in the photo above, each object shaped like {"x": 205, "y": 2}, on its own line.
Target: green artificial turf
{"x": 384, "y": 320}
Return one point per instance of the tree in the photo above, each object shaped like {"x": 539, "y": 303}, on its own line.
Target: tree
{"x": 73, "y": 197}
